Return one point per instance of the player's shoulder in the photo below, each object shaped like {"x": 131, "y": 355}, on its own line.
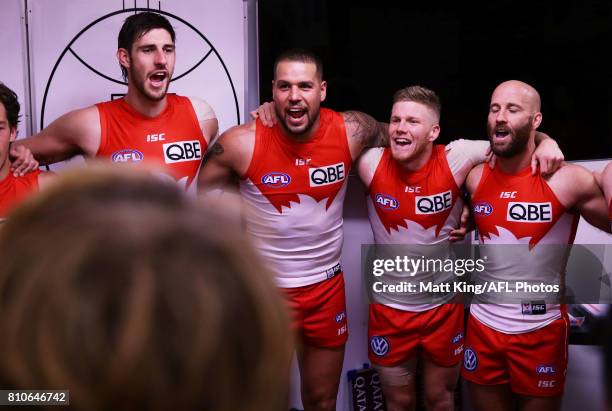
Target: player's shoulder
{"x": 572, "y": 173}
{"x": 572, "y": 180}
{"x": 371, "y": 155}
{"x": 473, "y": 178}
{"x": 204, "y": 111}
{"x": 237, "y": 137}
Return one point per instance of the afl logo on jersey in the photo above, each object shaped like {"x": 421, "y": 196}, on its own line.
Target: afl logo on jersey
{"x": 182, "y": 151}
{"x": 434, "y": 203}
{"x": 322, "y": 176}
{"x": 386, "y": 202}
{"x": 125, "y": 156}
{"x": 276, "y": 179}
{"x": 529, "y": 212}
{"x": 483, "y": 208}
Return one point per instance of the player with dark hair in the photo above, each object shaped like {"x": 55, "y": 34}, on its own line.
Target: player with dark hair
{"x": 148, "y": 124}
{"x": 13, "y": 188}
{"x": 293, "y": 179}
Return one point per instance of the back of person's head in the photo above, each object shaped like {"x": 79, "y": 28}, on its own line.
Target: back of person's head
{"x": 136, "y": 26}
{"x": 121, "y": 289}
{"x": 9, "y": 100}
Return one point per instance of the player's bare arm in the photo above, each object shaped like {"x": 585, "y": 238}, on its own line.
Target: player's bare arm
{"x": 367, "y": 163}
{"x": 206, "y": 118}
{"x": 548, "y": 155}
{"x": 363, "y": 131}
{"x": 77, "y": 132}
{"x": 577, "y": 189}
{"x": 604, "y": 179}
{"x": 227, "y": 159}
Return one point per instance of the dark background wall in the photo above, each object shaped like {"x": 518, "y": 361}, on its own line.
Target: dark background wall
{"x": 462, "y": 51}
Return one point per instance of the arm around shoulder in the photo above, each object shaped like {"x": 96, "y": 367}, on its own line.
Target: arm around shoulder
{"x": 228, "y": 158}
{"x": 363, "y": 131}
{"x": 77, "y": 132}
{"x": 367, "y": 164}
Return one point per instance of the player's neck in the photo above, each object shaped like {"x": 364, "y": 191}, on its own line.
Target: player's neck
{"x": 516, "y": 163}
{"x": 418, "y": 162}
{"x": 144, "y": 105}
{"x": 302, "y": 137}
{"x": 5, "y": 168}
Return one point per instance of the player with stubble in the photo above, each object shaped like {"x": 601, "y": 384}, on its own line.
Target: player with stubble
{"x": 292, "y": 179}
{"x": 147, "y": 126}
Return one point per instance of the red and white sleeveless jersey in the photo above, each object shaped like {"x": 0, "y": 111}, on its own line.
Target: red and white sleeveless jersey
{"x": 520, "y": 209}
{"x": 415, "y": 207}
{"x": 173, "y": 139}
{"x": 294, "y": 193}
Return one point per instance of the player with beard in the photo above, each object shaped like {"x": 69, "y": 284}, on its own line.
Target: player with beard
{"x": 293, "y": 180}
{"x": 147, "y": 125}
{"x": 13, "y": 188}
{"x": 403, "y": 181}
{"x": 519, "y": 351}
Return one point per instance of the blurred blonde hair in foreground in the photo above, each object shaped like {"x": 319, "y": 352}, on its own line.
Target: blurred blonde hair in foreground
{"x": 118, "y": 287}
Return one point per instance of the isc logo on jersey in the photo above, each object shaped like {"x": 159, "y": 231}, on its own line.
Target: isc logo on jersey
{"x": 386, "y": 202}
{"x": 483, "y": 208}
{"x": 276, "y": 179}
{"x": 182, "y": 151}
{"x": 434, "y": 203}
{"x": 127, "y": 155}
{"x": 529, "y": 212}
{"x": 322, "y": 176}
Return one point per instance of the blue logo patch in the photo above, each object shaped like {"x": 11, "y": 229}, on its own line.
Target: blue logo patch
{"x": 379, "y": 345}
{"x": 340, "y": 316}
{"x": 483, "y": 208}
{"x": 546, "y": 369}
{"x": 127, "y": 155}
{"x": 386, "y": 202}
{"x": 470, "y": 360}
{"x": 457, "y": 338}
{"x": 276, "y": 179}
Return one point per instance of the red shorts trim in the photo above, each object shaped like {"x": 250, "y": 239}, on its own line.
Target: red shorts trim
{"x": 318, "y": 312}
{"x": 395, "y": 336}
{"x": 533, "y": 363}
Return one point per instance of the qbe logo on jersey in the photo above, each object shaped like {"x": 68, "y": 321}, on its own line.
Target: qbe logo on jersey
{"x": 529, "y": 212}
{"x": 182, "y": 151}
{"x": 434, "y": 203}
{"x": 322, "y": 176}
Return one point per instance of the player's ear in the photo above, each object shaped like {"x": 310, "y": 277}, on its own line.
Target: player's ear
{"x": 323, "y": 90}
{"x": 13, "y": 135}
{"x": 435, "y": 132}
{"x": 537, "y": 120}
{"x": 124, "y": 57}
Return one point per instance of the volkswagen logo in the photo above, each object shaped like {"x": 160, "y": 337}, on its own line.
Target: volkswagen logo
{"x": 379, "y": 345}
{"x": 470, "y": 361}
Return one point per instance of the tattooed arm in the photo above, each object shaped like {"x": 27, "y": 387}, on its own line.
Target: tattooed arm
{"x": 363, "y": 131}
{"x": 227, "y": 159}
